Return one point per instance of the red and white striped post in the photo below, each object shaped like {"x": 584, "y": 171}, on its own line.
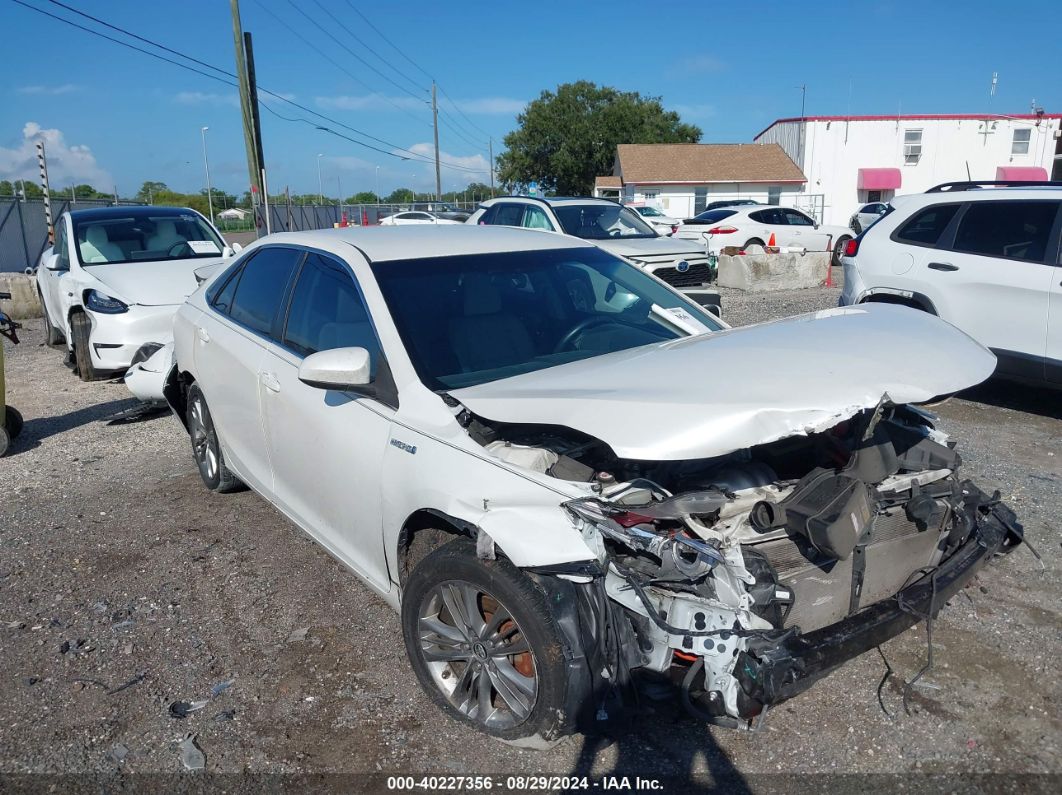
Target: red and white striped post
{"x": 47, "y": 193}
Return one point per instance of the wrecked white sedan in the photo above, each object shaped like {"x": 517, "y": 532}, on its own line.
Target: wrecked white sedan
{"x": 571, "y": 480}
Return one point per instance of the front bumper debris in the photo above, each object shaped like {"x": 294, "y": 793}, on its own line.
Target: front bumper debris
{"x": 771, "y": 674}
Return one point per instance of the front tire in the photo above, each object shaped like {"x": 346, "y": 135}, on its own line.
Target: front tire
{"x": 13, "y": 422}
{"x": 484, "y": 645}
{"x": 206, "y": 449}
{"x": 80, "y": 329}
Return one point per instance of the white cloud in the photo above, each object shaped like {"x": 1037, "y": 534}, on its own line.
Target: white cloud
{"x": 693, "y": 111}
{"x": 481, "y": 105}
{"x": 480, "y": 168}
{"x": 697, "y": 65}
{"x": 51, "y": 91}
{"x": 206, "y": 98}
{"x": 66, "y": 164}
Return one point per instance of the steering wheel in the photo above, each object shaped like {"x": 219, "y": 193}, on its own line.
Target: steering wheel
{"x": 176, "y": 247}
{"x": 579, "y": 328}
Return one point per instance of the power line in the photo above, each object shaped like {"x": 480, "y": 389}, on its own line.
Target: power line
{"x": 460, "y": 134}
{"x": 395, "y": 147}
{"x": 325, "y": 31}
{"x": 463, "y": 115}
{"x": 356, "y": 38}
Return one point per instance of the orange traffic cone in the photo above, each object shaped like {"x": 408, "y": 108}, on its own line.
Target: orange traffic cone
{"x": 770, "y": 243}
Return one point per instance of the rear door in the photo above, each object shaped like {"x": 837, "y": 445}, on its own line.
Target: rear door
{"x": 326, "y": 445}
{"x": 995, "y": 275}
{"x": 50, "y": 278}
{"x": 230, "y": 344}
{"x": 504, "y": 214}
{"x": 767, "y": 222}
{"x": 1053, "y": 359}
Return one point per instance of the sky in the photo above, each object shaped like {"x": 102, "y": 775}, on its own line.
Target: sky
{"x": 111, "y": 117}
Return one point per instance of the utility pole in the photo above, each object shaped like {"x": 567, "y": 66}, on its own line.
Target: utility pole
{"x": 491, "y": 145}
{"x": 256, "y": 119}
{"x": 435, "y": 119}
{"x": 253, "y": 166}
{"x": 206, "y": 165}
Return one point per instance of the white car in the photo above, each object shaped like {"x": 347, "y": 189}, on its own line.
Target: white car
{"x": 113, "y": 279}
{"x": 756, "y": 224}
{"x": 866, "y": 215}
{"x": 664, "y": 224}
{"x": 415, "y": 218}
{"x": 616, "y": 229}
{"x": 569, "y": 479}
{"x": 986, "y": 259}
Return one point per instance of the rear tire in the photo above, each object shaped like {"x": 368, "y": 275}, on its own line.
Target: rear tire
{"x": 5, "y": 440}
{"x": 13, "y": 422}
{"x": 485, "y": 646}
{"x": 52, "y": 335}
{"x": 839, "y": 247}
{"x": 753, "y": 242}
{"x": 206, "y": 449}
{"x": 80, "y": 328}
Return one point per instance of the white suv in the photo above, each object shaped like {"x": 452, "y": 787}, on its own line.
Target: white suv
{"x": 615, "y": 228}
{"x": 985, "y": 259}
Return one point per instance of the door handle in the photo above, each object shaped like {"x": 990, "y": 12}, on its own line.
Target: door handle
{"x": 202, "y": 334}
{"x": 943, "y": 266}
{"x": 269, "y": 381}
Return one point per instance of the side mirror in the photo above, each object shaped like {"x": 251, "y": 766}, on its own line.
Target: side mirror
{"x": 236, "y": 248}
{"x": 339, "y": 368}
{"x": 50, "y": 259}
{"x": 227, "y": 252}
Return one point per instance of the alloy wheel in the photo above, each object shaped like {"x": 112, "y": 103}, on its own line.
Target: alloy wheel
{"x": 477, "y": 654}
{"x": 204, "y": 443}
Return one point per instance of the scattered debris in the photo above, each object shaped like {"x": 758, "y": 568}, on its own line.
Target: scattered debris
{"x": 134, "y": 681}
{"x": 221, "y": 687}
{"x": 79, "y": 646}
{"x": 192, "y": 755}
{"x": 228, "y": 714}
{"x": 119, "y": 752}
{"x": 81, "y": 680}
{"x": 298, "y": 634}
{"x": 181, "y": 709}
{"x": 32, "y": 680}
{"x": 15, "y": 625}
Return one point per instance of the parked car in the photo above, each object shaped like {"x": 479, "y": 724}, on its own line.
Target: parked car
{"x": 866, "y": 215}
{"x": 414, "y": 217}
{"x": 718, "y": 205}
{"x": 664, "y": 224}
{"x": 520, "y": 441}
{"x": 114, "y": 277}
{"x": 443, "y": 210}
{"x": 986, "y": 259}
{"x": 615, "y": 228}
{"x": 754, "y": 225}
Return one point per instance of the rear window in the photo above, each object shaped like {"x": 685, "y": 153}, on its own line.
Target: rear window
{"x": 1009, "y": 229}
{"x": 926, "y": 227}
{"x": 712, "y": 216}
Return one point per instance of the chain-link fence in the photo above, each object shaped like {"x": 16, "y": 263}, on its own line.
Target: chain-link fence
{"x": 24, "y": 228}
{"x": 284, "y": 217}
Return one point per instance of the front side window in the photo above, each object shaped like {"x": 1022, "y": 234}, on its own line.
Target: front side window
{"x": 258, "y": 289}
{"x": 926, "y": 227}
{"x": 467, "y": 320}
{"x": 602, "y": 221}
{"x": 912, "y": 146}
{"x": 769, "y": 217}
{"x": 1009, "y": 229}
{"x": 1019, "y": 145}
{"x": 145, "y": 236}
{"x": 796, "y": 218}
{"x": 327, "y": 312}
{"x": 61, "y": 249}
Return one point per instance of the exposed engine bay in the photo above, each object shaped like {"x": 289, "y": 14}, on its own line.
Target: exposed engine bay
{"x": 746, "y": 577}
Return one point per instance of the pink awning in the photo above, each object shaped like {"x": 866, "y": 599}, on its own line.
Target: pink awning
{"x": 879, "y": 179}
{"x": 1022, "y": 173}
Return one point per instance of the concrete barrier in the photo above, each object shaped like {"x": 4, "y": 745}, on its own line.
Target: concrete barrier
{"x": 24, "y": 302}
{"x": 758, "y": 272}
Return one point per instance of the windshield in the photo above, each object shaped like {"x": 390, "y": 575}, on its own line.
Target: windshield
{"x": 602, "y": 221}
{"x": 467, "y": 320}
{"x": 652, "y": 212}
{"x": 142, "y": 236}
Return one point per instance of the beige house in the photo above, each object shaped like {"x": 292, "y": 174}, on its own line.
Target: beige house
{"x": 681, "y": 179}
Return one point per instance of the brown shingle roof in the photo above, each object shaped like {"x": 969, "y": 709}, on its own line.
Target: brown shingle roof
{"x": 608, "y": 182}
{"x": 645, "y": 163}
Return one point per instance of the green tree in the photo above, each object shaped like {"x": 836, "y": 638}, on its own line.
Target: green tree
{"x": 399, "y": 196}
{"x": 150, "y": 191}
{"x": 84, "y": 192}
{"x": 7, "y": 187}
{"x": 567, "y": 138}
{"x": 364, "y": 197}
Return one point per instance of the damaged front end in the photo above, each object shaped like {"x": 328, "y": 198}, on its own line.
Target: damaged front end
{"x": 746, "y": 577}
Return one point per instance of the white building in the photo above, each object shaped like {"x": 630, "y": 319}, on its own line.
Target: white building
{"x": 681, "y": 179}
{"x": 852, "y": 160}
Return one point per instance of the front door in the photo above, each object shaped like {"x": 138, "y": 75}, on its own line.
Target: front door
{"x": 326, "y": 445}
{"x": 51, "y": 278}
{"x": 231, "y": 339}
{"x": 1054, "y": 326}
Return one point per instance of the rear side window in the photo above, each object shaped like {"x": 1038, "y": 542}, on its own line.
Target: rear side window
{"x": 260, "y": 288}
{"x": 507, "y": 214}
{"x": 926, "y": 227}
{"x": 1009, "y": 229}
{"x": 714, "y": 216}
{"x": 327, "y": 312}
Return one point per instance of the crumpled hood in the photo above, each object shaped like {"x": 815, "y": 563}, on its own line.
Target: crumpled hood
{"x": 709, "y": 395}
{"x": 648, "y": 246}
{"x": 150, "y": 283}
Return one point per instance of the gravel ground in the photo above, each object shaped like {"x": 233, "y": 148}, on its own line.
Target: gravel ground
{"x": 125, "y": 586}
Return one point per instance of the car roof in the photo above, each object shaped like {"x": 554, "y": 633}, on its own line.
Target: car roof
{"x": 975, "y": 194}
{"x": 129, "y": 211}
{"x": 555, "y": 200}
{"x": 385, "y": 243}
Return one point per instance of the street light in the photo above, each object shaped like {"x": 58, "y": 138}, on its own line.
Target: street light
{"x": 320, "y": 185}
{"x": 206, "y": 165}
{"x": 377, "y": 184}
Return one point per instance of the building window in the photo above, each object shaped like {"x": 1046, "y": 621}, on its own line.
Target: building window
{"x": 912, "y": 146}
{"x": 651, "y": 195}
{"x": 1020, "y": 144}
{"x": 774, "y": 195}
